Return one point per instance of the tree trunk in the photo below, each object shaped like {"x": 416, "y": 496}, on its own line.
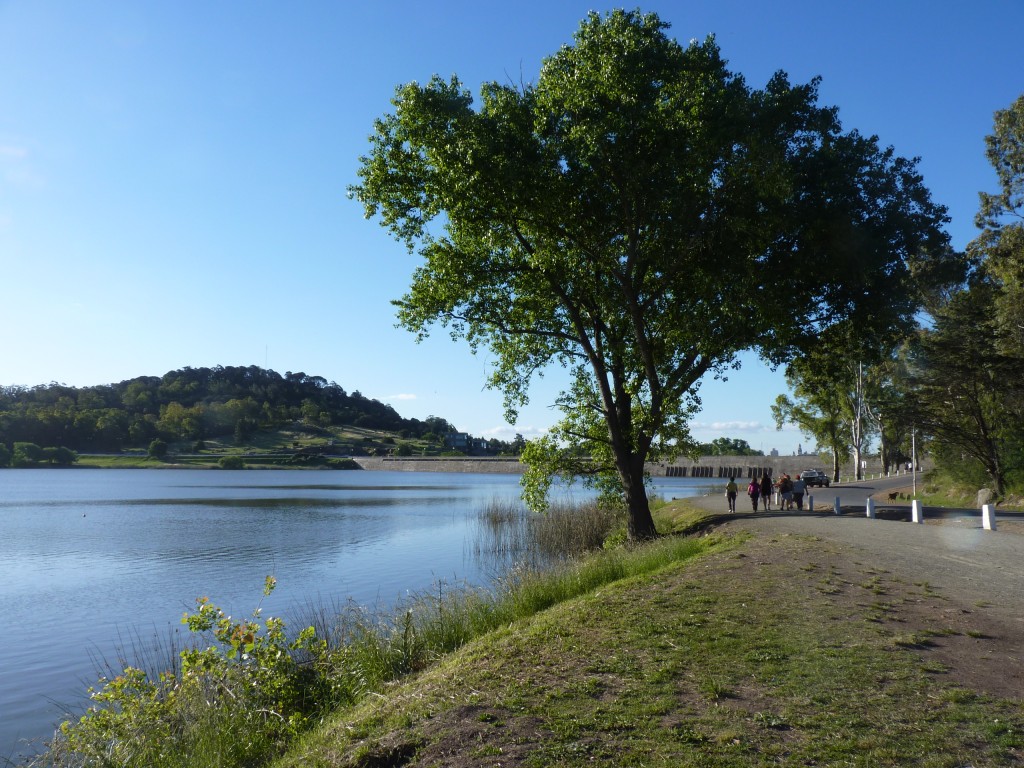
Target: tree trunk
{"x": 640, "y": 525}
{"x": 994, "y": 467}
{"x": 1000, "y": 484}
{"x": 835, "y": 466}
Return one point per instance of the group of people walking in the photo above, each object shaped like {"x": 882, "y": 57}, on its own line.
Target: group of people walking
{"x": 790, "y": 491}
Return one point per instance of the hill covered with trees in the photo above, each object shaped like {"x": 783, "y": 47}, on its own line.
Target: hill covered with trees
{"x": 193, "y": 404}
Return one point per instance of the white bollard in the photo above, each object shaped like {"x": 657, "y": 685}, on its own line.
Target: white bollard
{"x": 988, "y": 517}
{"x": 916, "y": 514}
{"x": 870, "y": 508}
{"x": 836, "y": 506}
{"x": 810, "y": 503}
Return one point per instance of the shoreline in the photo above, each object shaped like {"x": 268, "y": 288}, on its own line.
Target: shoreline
{"x": 705, "y": 468}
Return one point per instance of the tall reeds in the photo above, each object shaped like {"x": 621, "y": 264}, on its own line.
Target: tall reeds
{"x": 508, "y": 531}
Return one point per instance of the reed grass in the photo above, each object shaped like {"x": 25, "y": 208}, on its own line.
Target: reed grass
{"x": 506, "y": 529}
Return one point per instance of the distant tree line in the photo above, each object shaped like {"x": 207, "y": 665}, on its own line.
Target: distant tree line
{"x": 728, "y": 446}
{"x": 31, "y": 455}
{"x": 189, "y": 404}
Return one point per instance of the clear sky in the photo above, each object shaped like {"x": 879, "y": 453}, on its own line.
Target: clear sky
{"x": 173, "y": 174}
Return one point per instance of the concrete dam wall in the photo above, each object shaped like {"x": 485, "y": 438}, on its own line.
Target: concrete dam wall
{"x": 707, "y": 466}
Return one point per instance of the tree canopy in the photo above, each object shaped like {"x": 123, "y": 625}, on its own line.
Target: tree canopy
{"x": 638, "y": 216}
{"x": 968, "y": 393}
{"x": 1000, "y": 246}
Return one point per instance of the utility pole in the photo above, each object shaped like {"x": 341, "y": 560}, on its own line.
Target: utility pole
{"x": 913, "y": 456}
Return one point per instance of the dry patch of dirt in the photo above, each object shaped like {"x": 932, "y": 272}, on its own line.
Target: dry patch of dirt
{"x": 974, "y": 645}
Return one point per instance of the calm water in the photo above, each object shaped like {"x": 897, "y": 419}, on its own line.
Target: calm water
{"x": 95, "y": 560}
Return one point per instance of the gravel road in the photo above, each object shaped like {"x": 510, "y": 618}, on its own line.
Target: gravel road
{"x": 975, "y": 569}
{"x": 977, "y": 574}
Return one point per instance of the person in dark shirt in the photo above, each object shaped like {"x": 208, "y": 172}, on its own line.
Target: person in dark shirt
{"x": 766, "y": 491}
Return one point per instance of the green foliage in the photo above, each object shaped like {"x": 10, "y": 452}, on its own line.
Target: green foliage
{"x": 31, "y": 455}
{"x": 725, "y": 446}
{"x": 26, "y": 455}
{"x": 231, "y": 462}
{"x": 836, "y": 396}
{"x": 1000, "y": 246}
{"x": 509, "y": 529}
{"x": 968, "y": 393}
{"x": 967, "y": 366}
{"x": 61, "y": 456}
{"x": 596, "y": 219}
{"x": 158, "y": 449}
{"x": 233, "y": 702}
{"x": 959, "y": 471}
{"x": 717, "y": 664}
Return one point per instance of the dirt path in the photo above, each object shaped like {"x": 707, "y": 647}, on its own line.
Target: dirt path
{"x": 977, "y": 574}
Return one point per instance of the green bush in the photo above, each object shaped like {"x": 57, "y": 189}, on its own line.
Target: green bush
{"x": 231, "y": 462}
{"x": 61, "y": 456}
{"x": 233, "y": 702}
{"x": 26, "y": 455}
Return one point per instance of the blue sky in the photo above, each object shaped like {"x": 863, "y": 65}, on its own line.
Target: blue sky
{"x": 173, "y": 174}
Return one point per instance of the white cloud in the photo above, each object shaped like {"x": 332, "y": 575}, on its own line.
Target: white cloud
{"x": 730, "y": 426}
{"x": 507, "y": 433}
{"x": 400, "y": 397}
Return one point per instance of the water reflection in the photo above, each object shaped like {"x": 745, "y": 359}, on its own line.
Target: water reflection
{"x": 89, "y": 557}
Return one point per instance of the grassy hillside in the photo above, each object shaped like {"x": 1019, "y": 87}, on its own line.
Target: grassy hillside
{"x": 295, "y": 447}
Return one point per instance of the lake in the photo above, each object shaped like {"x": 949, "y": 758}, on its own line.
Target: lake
{"x": 92, "y": 561}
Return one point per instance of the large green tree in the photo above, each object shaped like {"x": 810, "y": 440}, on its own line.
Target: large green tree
{"x": 639, "y": 215}
{"x": 967, "y": 391}
{"x": 817, "y": 408}
{"x": 1000, "y": 245}
{"x": 968, "y": 364}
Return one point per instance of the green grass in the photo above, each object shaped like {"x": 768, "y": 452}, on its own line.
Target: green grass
{"x": 124, "y": 461}
{"x": 939, "y": 490}
{"x": 269, "y": 449}
{"x": 733, "y": 659}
